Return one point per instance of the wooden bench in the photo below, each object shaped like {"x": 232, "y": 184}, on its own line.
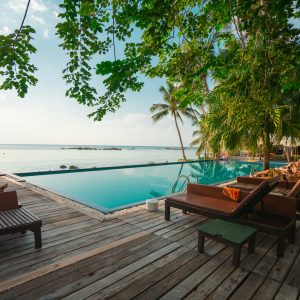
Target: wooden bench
{"x": 230, "y": 234}
{"x": 14, "y": 218}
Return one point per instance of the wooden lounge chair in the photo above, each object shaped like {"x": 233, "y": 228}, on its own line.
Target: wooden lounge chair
{"x": 285, "y": 185}
{"x": 14, "y": 218}
{"x": 290, "y": 190}
{"x": 269, "y": 213}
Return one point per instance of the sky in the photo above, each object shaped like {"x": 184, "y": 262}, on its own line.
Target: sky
{"x": 46, "y": 116}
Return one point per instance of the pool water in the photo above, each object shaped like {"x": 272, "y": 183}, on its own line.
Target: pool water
{"x": 116, "y": 188}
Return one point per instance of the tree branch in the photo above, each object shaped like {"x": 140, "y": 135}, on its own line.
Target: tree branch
{"x": 22, "y": 24}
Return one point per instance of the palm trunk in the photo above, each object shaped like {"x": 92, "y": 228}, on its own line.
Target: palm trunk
{"x": 266, "y": 151}
{"x": 182, "y": 148}
{"x": 204, "y": 80}
{"x": 260, "y": 152}
{"x": 287, "y": 152}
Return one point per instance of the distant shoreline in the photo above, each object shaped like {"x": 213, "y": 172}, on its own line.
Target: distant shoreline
{"x": 116, "y": 148}
{"x": 60, "y": 146}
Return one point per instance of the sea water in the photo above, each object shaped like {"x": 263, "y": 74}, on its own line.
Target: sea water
{"x": 26, "y": 158}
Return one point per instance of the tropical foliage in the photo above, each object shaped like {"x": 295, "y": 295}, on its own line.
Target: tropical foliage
{"x": 258, "y": 81}
{"x": 15, "y": 67}
{"x": 202, "y": 139}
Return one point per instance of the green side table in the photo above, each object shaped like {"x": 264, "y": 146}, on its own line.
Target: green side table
{"x": 230, "y": 234}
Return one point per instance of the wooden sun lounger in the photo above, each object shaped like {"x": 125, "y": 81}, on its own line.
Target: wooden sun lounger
{"x": 292, "y": 191}
{"x": 272, "y": 214}
{"x": 258, "y": 180}
{"x": 14, "y": 218}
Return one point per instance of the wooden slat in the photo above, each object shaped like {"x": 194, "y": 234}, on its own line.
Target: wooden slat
{"x": 102, "y": 273}
{"x": 284, "y": 264}
{"x": 49, "y": 255}
{"x": 98, "y": 285}
{"x": 267, "y": 290}
{"x": 287, "y": 292}
{"x": 248, "y": 288}
{"x": 67, "y": 280}
{"x": 145, "y": 282}
{"x": 8, "y": 284}
{"x": 293, "y": 277}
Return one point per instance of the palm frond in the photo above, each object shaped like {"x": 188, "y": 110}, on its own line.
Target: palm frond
{"x": 195, "y": 142}
{"x": 157, "y": 117}
{"x": 178, "y": 116}
{"x": 158, "y": 107}
{"x": 166, "y": 94}
{"x": 189, "y": 115}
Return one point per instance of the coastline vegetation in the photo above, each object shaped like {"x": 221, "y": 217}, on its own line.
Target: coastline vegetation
{"x": 237, "y": 62}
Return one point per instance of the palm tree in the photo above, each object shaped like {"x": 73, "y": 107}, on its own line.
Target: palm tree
{"x": 172, "y": 107}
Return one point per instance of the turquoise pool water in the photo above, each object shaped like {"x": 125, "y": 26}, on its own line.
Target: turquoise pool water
{"x": 112, "y": 189}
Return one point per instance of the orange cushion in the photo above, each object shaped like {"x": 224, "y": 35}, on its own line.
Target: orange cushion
{"x": 231, "y": 193}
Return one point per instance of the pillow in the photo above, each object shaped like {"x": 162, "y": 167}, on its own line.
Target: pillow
{"x": 231, "y": 193}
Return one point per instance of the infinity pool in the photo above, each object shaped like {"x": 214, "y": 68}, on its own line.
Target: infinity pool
{"x": 111, "y": 189}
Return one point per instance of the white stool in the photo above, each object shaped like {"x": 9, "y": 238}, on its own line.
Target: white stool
{"x": 152, "y": 205}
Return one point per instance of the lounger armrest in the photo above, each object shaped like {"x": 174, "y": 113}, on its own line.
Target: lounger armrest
{"x": 295, "y": 191}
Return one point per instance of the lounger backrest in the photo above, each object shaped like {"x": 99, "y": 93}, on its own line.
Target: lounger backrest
{"x": 295, "y": 191}
{"x": 8, "y": 200}
{"x": 278, "y": 205}
{"x": 248, "y": 203}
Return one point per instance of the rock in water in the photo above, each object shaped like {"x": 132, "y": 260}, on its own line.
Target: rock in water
{"x": 73, "y": 167}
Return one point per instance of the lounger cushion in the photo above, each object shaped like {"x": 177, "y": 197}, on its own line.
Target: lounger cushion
{"x": 205, "y": 202}
{"x": 278, "y": 205}
{"x": 8, "y": 200}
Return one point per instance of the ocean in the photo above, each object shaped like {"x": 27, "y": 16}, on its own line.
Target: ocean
{"x": 29, "y": 158}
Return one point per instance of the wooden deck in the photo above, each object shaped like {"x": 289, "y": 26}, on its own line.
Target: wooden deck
{"x": 138, "y": 255}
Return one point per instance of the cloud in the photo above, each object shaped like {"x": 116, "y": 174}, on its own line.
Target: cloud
{"x": 55, "y": 14}
{"x": 20, "y": 5}
{"x": 46, "y": 33}
{"x": 5, "y": 30}
{"x": 38, "y": 19}
{"x": 2, "y": 97}
{"x": 42, "y": 22}
{"x": 38, "y": 5}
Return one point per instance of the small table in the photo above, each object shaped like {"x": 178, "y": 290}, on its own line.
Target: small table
{"x": 228, "y": 233}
